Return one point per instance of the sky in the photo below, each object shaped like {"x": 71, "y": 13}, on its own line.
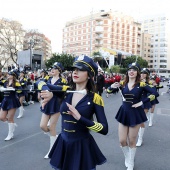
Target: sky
{"x": 49, "y": 16}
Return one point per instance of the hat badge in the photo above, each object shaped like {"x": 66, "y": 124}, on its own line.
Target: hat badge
{"x": 133, "y": 64}
{"x": 81, "y": 57}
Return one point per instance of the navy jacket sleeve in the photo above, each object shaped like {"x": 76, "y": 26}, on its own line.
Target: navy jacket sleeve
{"x": 101, "y": 126}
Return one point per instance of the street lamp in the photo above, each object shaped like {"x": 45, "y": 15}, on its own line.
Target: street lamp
{"x": 31, "y": 43}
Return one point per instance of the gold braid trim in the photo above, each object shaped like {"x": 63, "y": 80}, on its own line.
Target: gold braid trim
{"x": 98, "y": 100}
{"x": 41, "y": 84}
{"x": 96, "y": 127}
{"x": 151, "y": 97}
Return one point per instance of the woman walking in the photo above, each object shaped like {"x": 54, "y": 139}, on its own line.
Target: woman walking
{"x": 51, "y": 111}
{"x": 131, "y": 113}
{"x": 10, "y": 102}
{"x": 75, "y": 148}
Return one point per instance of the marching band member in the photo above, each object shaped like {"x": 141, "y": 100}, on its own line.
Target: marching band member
{"x": 131, "y": 113}
{"x": 156, "y": 87}
{"x": 10, "y": 102}
{"x": 144, "y": 78}
{"x": 75, "y": 147}
{"x": 23, "y": 82}
{"x": 51, "y": 111}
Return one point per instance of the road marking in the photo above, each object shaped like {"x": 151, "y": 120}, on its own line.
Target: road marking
{"x": 21, "y": 140}
{"x": 162, "y": 93}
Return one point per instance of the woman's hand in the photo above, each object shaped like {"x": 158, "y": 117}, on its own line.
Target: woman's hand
{"x": 137, "y": 104}
{"x": 72, "y": 111}
{"x": 46, "y": 96}
{"x": 115, "y": 85}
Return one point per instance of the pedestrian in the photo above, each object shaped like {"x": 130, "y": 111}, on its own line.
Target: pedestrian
{"x": 156, "y": 87}
{"x": 10, "y": 102}
{"x": 22, "y": 95}
{"x": 145, "y": 78}
{"x": 100, "y": 82}
{"x": 75, "y": 148}
{"x": 51, "y": 113}
{"x": 131, "y": 113}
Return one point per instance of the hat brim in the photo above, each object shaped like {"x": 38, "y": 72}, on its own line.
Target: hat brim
{"x": 134, "y": 67}
{"x": 80, "y": 67}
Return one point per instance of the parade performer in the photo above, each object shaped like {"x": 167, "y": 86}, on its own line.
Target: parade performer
{"x": 23, "y": 82}
{"x": 43, "y": 75}
{"x": 131, "y": 113}
{"x": 51, "y": 110}
{"x": 75, "y": 148}
{"x": 144, "y": 78}
{"x": 156, "y": 87}
{"x": 10, "y": 102}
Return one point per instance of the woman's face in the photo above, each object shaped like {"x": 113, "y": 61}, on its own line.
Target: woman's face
{"x": 132, "y": 73}
{"x": 79, "y": 76}
{"x": 54, "y": 72}
{"x": 143, "y": 75}
{"x": 9, "y": 76}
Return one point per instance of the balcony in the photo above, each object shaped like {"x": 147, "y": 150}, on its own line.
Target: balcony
{"x": 98, "y": 37}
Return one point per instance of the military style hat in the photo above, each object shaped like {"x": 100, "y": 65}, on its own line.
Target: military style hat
{"x": 134, "y": 66}
{"x": 59, "y": 66}
{"x": 145, "y": 71}
{"x": 13, "y": 73}
{"x": 86, "y": 63}
{"x": 23, "y": 72}
{"x": 43, "y": 71}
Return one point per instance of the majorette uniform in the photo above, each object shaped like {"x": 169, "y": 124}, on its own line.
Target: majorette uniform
{"x": 75, "y": 148}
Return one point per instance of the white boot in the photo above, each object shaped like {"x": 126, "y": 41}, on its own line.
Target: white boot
{"x": 11, "y": 130}
{"x": 125, "y": 150}
{"x": 132, "y": 152}
{"x": 140, "y": 138}
{"x": 151, "y": 119}
{"x": 21, "y": 110}
{"x": 148, "y": 115}
{"x": 52, "y": 140}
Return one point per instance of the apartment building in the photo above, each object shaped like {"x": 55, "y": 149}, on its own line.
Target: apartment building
{"x": 112, "y": 30}
{"x": 146, "y": 47}
{"x": 158, "y": 27}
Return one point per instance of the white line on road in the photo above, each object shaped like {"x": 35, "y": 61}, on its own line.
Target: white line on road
{"x": 21, "y": 140}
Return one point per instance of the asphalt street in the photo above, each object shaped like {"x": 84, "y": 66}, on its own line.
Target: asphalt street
{"x": 27, "y": 149}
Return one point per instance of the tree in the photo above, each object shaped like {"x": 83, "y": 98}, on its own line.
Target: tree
{"x": 11, "y": 39}
{"x": 114, "y": 69}
{"x": 65, "y": 59}
{"x": 143, "y": 63}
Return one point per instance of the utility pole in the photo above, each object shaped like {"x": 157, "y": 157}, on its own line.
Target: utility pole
{"x": 31, "y": 43}
{"x": 91, "y": 32}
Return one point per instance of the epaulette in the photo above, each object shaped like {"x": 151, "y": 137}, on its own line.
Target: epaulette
{"x": 25, "y": 79}
{"x": 63, "y": 80}
{"x": 142, "y": 84}
{"x": 17, "y": 84}
{"x": 98, "y": 100}
{"x": 46, "y": 77}
{"x": 121, "y": 83}
{"x": 150, "y": 82}
{"x": 3, "y": 81}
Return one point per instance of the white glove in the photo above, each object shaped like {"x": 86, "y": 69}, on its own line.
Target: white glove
{"x": 137, "y": 104}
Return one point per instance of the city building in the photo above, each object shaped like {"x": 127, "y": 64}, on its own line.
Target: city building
{"x": 158, "y": 27}
{"x": 39, "y": 42}
{"x": 108, "y": 30}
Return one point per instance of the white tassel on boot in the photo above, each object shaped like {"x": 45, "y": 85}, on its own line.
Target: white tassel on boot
{"x": 151, "y": 119}
{"x": 132, "y": 152}
{"x": 21, "y": 110}
{"x": 125, "y": 150}
{"x": 11, "y": 129}
{"x": 140, "y": 138}
{"x": 52, "y": 140}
